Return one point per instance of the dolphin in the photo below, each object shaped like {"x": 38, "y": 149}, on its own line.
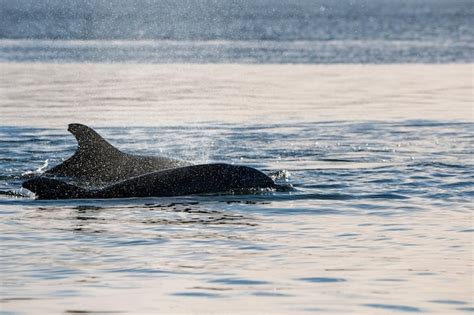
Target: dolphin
{"x": 187, "y": 180}
{"x": 99, "y": 170}
{"x": 99, "y": 162}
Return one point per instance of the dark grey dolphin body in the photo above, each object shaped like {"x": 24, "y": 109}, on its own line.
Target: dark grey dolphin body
{"x": 97, "y": 163}
{"x": 188, "y": 180}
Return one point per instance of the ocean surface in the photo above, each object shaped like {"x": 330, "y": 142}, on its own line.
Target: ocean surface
{"x": 365, "y": 107}
{"x": 380, "y": 219}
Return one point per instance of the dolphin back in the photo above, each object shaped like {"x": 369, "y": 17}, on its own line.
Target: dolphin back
{"x": 191, "y": 180}
{"x": 188, "y": 180}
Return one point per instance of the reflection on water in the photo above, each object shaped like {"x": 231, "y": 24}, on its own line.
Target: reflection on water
{"x": 380, "y": 216}
{"x": 258, "y": 96}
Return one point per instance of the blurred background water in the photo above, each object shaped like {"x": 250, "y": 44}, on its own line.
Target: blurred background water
{"x": 238, "y": 31}
{"x": 365, "y": 107}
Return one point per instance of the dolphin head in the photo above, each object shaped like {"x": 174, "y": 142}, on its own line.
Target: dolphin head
{"x": 251, "y": 178}
{"x": 237, "y": 176}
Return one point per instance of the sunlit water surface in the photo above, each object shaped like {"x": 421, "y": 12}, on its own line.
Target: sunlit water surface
{"x": 380, "y": 220}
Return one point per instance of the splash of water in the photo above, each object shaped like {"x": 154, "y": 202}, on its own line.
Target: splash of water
{"x": 40, "y": 170}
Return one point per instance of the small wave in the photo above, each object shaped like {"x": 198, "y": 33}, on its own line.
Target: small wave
{"x": 281, "y": 174}
{"x": 327, "y": 186}
{"x": 18, "y": 193}
{"x": 385, "y": 196}
{"x": 285, "y": 188}
{"x": 40, "y": 170}
{"x": 335, "y": 196}
{"x": 322, "y": 279}
{"x": 196, "y": 294}
{"x": 340, "y": 160}
{"x": 10, "y": 177}
{"x": 457, "y": 185}
{"x": 430, "y": 123}
{"x": 238, "y": 281}
{"x": 391, "y": 307}
{"x": 441, "y": 165}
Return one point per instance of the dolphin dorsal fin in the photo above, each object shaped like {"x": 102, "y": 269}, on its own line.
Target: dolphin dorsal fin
{"x": 96, "y": 161}
{"x": 93, "y": 159}
{"x": 90, "y": 142}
